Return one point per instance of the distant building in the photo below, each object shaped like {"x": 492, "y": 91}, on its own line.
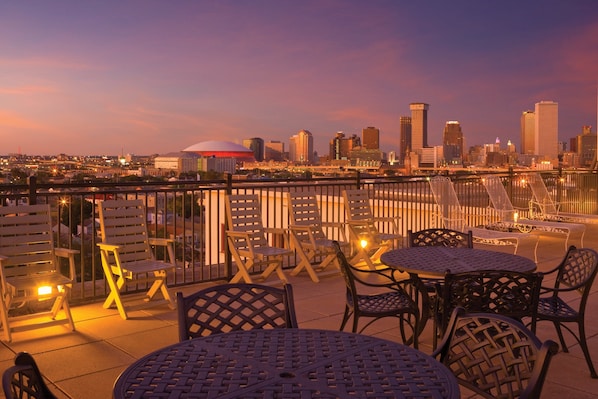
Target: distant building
{"x": 341, "y": 146}
{"x": 274, "y": 151}
{"x": 301, "y": 149}
{"x": 546, "y": 133}
{"x": 419, "y": 126}
{"x": 452, "y": 143}
{"x": 180, "y": 162}
{"x": 585, "y": 145}
{"x": 220, "y": 165}
{"x": 528, "y": 126}
{"x": 256, "y": 145}
{"x": 405, "y": 138}
{"x": 370, "y": 138}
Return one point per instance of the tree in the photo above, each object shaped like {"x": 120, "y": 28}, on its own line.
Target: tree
{"x": 74, "y": 212}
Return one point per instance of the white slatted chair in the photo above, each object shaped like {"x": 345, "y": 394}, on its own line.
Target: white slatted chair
{"x": 367, "y": 240}
{"x": 307, "y": 234}
{"x": 571, "y": 233}
{"x": 548, "y": 209}
{"x": 30, "y": 269}
{"x": 127, "y": 256}
{"x": 248, "y": 239}
{"x": 453, "y": 217}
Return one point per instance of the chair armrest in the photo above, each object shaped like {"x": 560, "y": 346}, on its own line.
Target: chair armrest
{"x": 160, "y": 241}
{"x": 70, "y": 255}
{"x": 279, "y": 231}
{"x": 108, "y": 247}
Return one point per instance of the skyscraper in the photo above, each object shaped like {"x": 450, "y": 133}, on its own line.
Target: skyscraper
{"x": 419, "y": 126}
{"x": 256, "y": 145}
{"x": 528, "y": 126}
{"x": 405, "y": 144}
{"x": 370, "y": 138}
{"x": 341, "y": 146}
{"x": 301, "y": 148}
{"x": 546, "y": 136}
{"x": 452, "y": 142}
{"x": 274, "y": 151}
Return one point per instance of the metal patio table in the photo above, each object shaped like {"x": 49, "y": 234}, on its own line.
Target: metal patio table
{"x": 287, "y": 363}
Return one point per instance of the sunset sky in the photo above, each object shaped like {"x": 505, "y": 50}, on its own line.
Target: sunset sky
{"x": 148, "y": 76}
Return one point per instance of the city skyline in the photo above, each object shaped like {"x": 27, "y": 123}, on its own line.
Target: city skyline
{"x": 147, "y": 77}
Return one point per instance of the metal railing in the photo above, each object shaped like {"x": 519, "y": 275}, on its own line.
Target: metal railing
{"x": 192, "y": 212}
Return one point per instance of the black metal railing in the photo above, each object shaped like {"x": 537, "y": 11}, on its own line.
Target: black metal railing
{"x": 192, "y": 212}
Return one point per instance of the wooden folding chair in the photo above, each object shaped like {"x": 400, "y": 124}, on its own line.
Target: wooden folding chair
{"x": 127, "y": 256}
{"x": 368, "y": 242}
{"x": 248, "y": 239}
{"x": 307, "y": 234}
{"x": 30, "y": 271}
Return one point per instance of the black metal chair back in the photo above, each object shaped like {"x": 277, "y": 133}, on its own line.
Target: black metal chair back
{"x": 440, "y": 237}
{"x": 495, "y": 356}
{"x": 24, "y": 380}
{"x": 235, "y": 306}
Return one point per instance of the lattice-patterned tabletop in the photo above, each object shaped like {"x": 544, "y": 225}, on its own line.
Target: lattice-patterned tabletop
{"x": 437, "y": 260}
{"x": 287, "y": 363}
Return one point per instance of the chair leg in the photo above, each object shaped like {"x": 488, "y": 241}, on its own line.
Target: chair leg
{"x": 4, "y": 316}
{"x": 559, "y": 332}
{"x": 346, "y": 317}
{"x": 586, "y": 352}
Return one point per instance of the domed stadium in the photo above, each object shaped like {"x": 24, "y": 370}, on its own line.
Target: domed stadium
{"x": 221, "y": 149}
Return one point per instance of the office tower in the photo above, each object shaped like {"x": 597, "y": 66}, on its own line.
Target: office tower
{"x": 419, "y": 126}
{"x": 370, "y": 138}
{"x": 341, "y": 146}
{"x": 452, "y": 142}
{"x": 256, "y": 145}
{"x": 405, "y": 144}
{"x": 585, "y": 144}
{"x": 301, "y": 149}
{"x": 528, "y": 126}
{"x": 546, "y": 132}
{"x": 274, "y": 151}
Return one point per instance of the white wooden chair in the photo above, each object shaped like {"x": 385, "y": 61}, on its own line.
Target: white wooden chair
{"x": 248, "y": 239}
{"x": 308, "y": 238}
{"x": 127, "y": 256}
{"x": 453, "y": 217}
{"x": 545, "y": 208}
{"x": 570, "y": 232}
{"x": 367, "y": 240}
{"x": 30, "y": 269}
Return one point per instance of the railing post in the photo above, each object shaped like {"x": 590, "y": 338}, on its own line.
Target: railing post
{"x": 228, "y": 263}
{"x": 358, "y": 179}
{"x": 32, "y": 181}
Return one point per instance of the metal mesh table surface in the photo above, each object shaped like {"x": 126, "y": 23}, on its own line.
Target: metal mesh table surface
{"x": 287, "y": 363}
{"x": 437, "y": 260}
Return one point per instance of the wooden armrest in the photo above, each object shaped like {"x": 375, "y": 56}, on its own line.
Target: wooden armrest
{"x": 65, "y": 252}
{"x": 275, "y": 230}
{"x": 108, "y": 247}
{"x": 238, "y": 234}
{"x": 160, "y": 241}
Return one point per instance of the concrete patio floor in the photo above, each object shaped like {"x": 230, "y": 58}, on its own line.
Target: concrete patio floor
{"x": 85, "y": 363}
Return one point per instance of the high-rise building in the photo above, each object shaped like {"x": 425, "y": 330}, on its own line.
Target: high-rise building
{"x": 419, "y": 126}
{"x": 370, "y": 138}
{"x": 405, "y": 144}
{"x": 301, "y": 149}
{"x": 341, "y": 146}
{"x": 546, "y": 132}
{"x": 256, "y": 145}
{"x": 274, "y": 151}
{"x": 528, "y": 127}
{"x": 452, "y": 142}
{"x": 586, "y": 146}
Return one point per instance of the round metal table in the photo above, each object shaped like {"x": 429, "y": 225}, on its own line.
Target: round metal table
{"x": 287, "y": 363}
{"x": 436, "y": 261}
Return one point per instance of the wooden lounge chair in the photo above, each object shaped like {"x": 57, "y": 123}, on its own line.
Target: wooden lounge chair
{"x": 367, "y": 240}
{"x": 127, "y": 256}
{"x": 30, "y": 270}
{"x": 248, "y": 239}
{"x": 307, "y": 234}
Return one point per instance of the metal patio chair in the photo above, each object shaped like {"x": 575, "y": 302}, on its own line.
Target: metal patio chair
{"x": 394, "y": 298}
{"x": 565, "y": 302}
{"x": 233, "y": 307}
{"x": 128, "y": 258}
{"x": 495, "y": 356}
{"x": 30, "y": 269}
